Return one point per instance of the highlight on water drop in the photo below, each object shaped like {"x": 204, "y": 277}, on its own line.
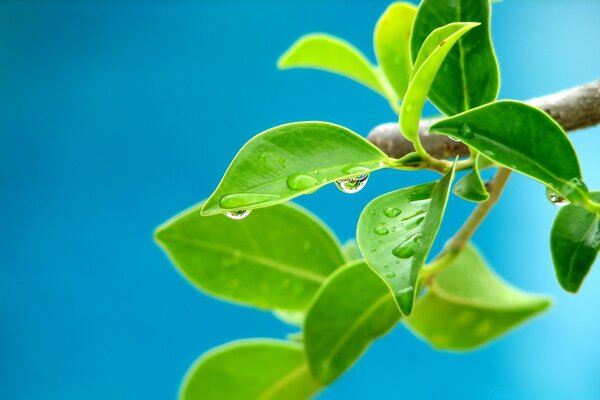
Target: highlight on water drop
{"x": 352, "y": 185}
{"x": 238, "y": 214}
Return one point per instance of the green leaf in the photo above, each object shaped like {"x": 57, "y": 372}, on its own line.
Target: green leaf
{"x": 290, "y": 160}
{"x": 294, "y": 318}
{"x": 575, "y": 242}
{"x": 471, "y": 187}
{"x": 276, "y": 258}
{"x": 467, "y": 305}
{"x": 522, "y": 138}
{"x": 469, "y": 76}
{"x": 396, "y": 231}
{"x": 332, "y": 54}
{"x": 248, "y": 370}
{"x": 351, "y": 251}
{"x": 430, "y": 58}
{"x": 391, "y": 42}
{"x": 352, "y": 308}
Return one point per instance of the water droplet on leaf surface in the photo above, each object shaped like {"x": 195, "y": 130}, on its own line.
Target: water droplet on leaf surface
{"x": 380, "y": 230}
{"x": 352, "y": 185}
{"x": 390, "y": 275}
{"x": 407, "y": 248}
{"x": 556, "y": 199}
{"x": 238, "y": 214}
{"x": 392, "y": 212}
{"x": 301, "y": 182}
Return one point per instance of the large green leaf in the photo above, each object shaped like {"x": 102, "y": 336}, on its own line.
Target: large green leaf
{"x": 396, "y": 231}
{"x": 290, "y": 160}
{"x": 467, "y": 305}
{"x": 250, "y": 370}
{"x": 276, "y": 258}
{"x": 352, "y": 308}
{"x": 392, "y": 42}
{"x": 471, "y": 187}
{"x": 430, "y": 58}
{"x": 469, "y": 76}
{"x": 522, "y": 138}
{"x": 332, "y": 54}
{"x": 575, "y": 242}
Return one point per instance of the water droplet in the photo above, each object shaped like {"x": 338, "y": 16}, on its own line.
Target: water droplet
{"x": 380, "y": 230}
{"x": 405, "y": 290}
{"x": 414, "y": 224}
{"x": 301, "y": 182}
{"x": 556, "y": 199}
{"x": 465, "y": 131}
{"x": 372, "y": 212}
{"x": 282, "y": 162}
{"x": 373, "y": 249}
{"x": 392, "y": 212}
{"x": 238, "y": 214}
{"x": 574, "y": 190}
{"x": 353, "y": 169}
{"x": 407, "y": 248}
{"x": 390, "y": 275}
{"x": 352, "y": 185}
{"x": 240, "y": 200}
{"x": 393, "y": 229}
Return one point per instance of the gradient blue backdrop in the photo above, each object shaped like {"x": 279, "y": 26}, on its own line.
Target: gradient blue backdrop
{"x": 114, "y": 116}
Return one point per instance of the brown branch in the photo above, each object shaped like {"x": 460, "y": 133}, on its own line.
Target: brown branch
{"x": 573, "y": 109}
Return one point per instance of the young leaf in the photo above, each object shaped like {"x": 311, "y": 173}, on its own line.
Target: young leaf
{"x": 391, "y": 42}
{"x": 329, "y": 53}
{"x": 522, "y": 138}
{"x": 430, "y": 58}
{"x": 352, "y": 308}
{"x": 351, "y": 251}
{"x": 469, "y": 76}
{"x": 250, "y": 369}
{"x": 290, "y": 160}
{"x": 575, "y": 242}
{"x": 395, "y": 233}
{"x": 467, "y": 305}
{"x": 471, "y": 187}
{"x": 276, "y": 258}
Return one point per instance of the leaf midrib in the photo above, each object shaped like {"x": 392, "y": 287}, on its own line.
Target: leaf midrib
{"x": 289, "y": 269}
{"x": 283, "y": 381}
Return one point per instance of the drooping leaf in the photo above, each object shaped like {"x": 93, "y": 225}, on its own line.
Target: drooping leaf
{"x": 249, "y": 370}
{"x": 275, "y": 258}
{"x": 351, "y": 250}
{"x": 392, "y": 42}
{"x": 522, "y": 138}
{"x": 575, "y": 242}
{"x": 433, "y": 52}
{"x": 290, "y": 160}
{"x": 467, "y": 306}
{"x": 332, "y": 54}
{"x": 396, "y": 231}
{"x": 469, "y": 76}
{"x": 294, "y": 318}
{"x": 352, "y": 308}
{"x": 471, "y": 187}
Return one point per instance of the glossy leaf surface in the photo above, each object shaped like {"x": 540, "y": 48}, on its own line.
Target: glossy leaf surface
{"x": 467, "y": 305}
{"x": 433, "y": 52}
{"x": 250, "y": 370}
{"x": 522, "y": 138}
{"x": 575, "y": 242}
{"x": 392, "y": 42}
{"x": 274, "y": 258}
{"x": 329, "y": 53}
{"x": 471, "y": 187}
{"x": 352, "y": 308}
{"x": 290, "y": 160}
{"x": 396, "y": 231}
{"x": 469, "y": 76}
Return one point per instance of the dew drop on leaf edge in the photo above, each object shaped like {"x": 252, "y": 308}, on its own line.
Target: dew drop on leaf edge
{"x": 392, "y": 212}
{"x": 556, "y": 199}
{"x": 352, "y": 185}
{"x": 238, "y": 214}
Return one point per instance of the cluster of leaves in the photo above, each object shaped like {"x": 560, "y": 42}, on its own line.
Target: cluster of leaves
{"x": 344, "y": 297}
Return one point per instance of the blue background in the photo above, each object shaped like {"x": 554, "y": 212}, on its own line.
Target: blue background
{"x": 114, "y": 116}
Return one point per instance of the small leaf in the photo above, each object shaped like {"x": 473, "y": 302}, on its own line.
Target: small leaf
{"x": 332, "y": 54}
{"x": 430, "y": 58}
{"x": 351, "y": 251}
{"x": 471, "y": 187}
{"x": 469, "y": 76}
{"x": 467, "y": 306}
{"x": 522, "y": 138}
{"x": 396, "y": 231}
{"x": 276, "y": 258}
{"x": 290, "y": 160}
{"x": 250, "y": 369}
{"x": 575, "y": 242}
{"x": 391, "y": 42}
{"x": 352, "y": 308}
